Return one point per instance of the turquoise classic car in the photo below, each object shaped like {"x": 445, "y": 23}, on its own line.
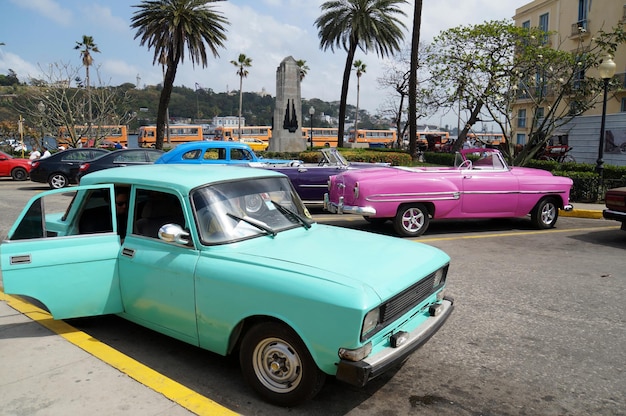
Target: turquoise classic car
{"x": 229, "y": 259}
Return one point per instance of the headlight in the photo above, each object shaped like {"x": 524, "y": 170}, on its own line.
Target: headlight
{"x": 440, "y": 277}
{"x": 370, "y": 322}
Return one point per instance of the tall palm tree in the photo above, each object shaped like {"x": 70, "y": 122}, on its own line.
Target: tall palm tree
{"x": 359, "y": 67}
{"x": 415, "y": 41}
{"x": 169, "y": 26}
{"x": 370, "y": 25}
{"x": 86, "y": 47}
{"x": 304, "y": 69}
{"x": 241, "y": 63}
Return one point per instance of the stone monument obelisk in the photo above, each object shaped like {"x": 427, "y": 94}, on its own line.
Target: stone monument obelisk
{"x": 287, "y": 124}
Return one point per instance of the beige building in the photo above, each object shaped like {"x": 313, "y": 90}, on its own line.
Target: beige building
{"x": 573, "y": 21}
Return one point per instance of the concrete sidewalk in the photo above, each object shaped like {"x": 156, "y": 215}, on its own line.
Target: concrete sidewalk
{"x": 49, "y": 368}
{"x": 44, "y": 374}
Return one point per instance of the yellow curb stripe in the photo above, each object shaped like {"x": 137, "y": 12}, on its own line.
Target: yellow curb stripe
{"x": 174, "y": 391}
{"x": 510, "y": 234}
{"x": 581, "y": 213}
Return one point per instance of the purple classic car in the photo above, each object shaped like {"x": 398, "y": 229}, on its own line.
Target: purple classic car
{"x": 311, "y": 179}
{"x": 480, "y": 185}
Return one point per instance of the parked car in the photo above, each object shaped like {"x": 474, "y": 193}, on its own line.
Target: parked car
{"x": 615, "y": 200}
{"x": 255, "y": 144}
{"x": 311, "y": 179}
{"x": 61, "y": 169}
{"x": 14, "y": 167}
{"x": 480, "y": 185}
{"x": 119, "y": 158}
{"x": 229, "y": 259}
{"x": 215, "y": 152}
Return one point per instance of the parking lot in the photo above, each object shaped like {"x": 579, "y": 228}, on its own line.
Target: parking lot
{"x": 539, "y": 329}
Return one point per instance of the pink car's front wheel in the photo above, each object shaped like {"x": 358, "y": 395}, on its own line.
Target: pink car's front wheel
{"x": 411, "y": 220}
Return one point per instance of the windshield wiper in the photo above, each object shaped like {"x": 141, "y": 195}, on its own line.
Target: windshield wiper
{"x": 287, "y": 211}
{"x": 255, "y": 223}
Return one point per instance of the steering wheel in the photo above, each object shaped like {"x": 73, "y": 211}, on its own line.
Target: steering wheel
{"x": 466, "y": 164}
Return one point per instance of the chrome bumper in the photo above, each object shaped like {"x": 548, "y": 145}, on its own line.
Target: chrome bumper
{"x": 568, "y": 207}
{"x": 340, "y": 208}
{"x": 360, "y": 372}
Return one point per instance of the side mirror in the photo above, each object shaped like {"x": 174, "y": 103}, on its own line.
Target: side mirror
{"x": 174, "y": 233}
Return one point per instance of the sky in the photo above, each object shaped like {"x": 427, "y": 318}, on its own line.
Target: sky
{"x": 38, "y": 33}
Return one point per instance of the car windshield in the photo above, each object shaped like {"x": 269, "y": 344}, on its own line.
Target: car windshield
{"x": 239, "y": 210}
{"x": 333, "y": 157}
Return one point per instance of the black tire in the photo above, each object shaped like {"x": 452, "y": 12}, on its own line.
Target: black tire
{"x": 411, "y": 220}
{"x": 545, "y": 214}
{"x": 19, "y": 174}
{"x": 58, "y": 181}
{"x": 277, "y": 365}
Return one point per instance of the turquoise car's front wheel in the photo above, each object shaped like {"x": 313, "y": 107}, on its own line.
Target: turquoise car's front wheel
{"x": 278, "y": 366}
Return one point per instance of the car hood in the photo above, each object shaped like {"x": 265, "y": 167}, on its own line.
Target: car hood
{"x": 386, "y": 265}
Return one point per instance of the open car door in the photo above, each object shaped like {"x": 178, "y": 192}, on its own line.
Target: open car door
{"x": 67, "y": 260}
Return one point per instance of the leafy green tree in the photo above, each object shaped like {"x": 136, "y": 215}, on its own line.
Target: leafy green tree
{"x": 86, "y": 47}
{"x": 242, "y": 63}
{"x": 360, "y": 69}
{"x": 370, "y": 25}
{"x": 169, "y": 26}
{"x": 487, "y": 68}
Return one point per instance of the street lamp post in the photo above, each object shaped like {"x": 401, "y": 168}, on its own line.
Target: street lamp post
{"x": 606, "y": 71}
{"x": 42, "y": 109}
{"x": 311, "y": 114}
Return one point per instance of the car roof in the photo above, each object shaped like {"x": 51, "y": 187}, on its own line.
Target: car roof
{"x": 113, "y": 153}
{"x": 175, "y": 176}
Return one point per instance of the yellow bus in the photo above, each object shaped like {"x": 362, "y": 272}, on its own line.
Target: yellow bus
{"x": 378, "y": 138}
{"x": 492, "y": 139}
{"x": 178, "y": 133}
{"x": 227, "y": 133}
{"x": 322, "y": 136}
{"x": 106, "y": 136}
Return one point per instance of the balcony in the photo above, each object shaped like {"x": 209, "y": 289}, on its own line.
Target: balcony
{"x": 580, "y": 28}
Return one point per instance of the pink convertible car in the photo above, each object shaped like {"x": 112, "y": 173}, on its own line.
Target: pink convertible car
{"x": 480, "y": 185}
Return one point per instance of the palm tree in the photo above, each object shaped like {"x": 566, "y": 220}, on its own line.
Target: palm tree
{"x": 415, "y": 41}
{"x": 304, "y": 69}
{"x": 359, "y": 67}
{"x": 169, "y": 26}
{"x": 241, "y": 63}
{"x": 371, "y": 25}
{"x": 86, "y": 47}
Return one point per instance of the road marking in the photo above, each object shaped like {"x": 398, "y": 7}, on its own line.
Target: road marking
{"x": 174, "y": 391}
{"x": 510, "y": 234}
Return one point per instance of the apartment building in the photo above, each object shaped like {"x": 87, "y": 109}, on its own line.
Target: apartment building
{"x": 574, "y": 21}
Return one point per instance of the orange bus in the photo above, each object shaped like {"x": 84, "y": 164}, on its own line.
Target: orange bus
{"x": 322, "y": 136}
{"x": 106, "y": 136}
{"x": 178, "y": 133}
{"x": 492, "y": 139}
{"x": 376, "y": 138}
{"x": 227, "y": 133}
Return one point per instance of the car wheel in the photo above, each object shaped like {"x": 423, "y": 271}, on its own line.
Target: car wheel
{"x": 58, "y": 181}
{"x": 545, "y": 214}
{"x": 411, "y": 220}
{"x": 277, "y": 365}
{"x": 19, "y": 174}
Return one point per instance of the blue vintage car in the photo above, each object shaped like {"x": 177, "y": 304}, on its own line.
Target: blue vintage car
{"x": 215, "y": 152}
{"x": 229, "y": 259}
{"x": 311, "y": 179}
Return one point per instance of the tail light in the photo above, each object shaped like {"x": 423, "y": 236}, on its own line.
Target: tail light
{"x": 34, "y": 164}
{"x": 83, "y": 167}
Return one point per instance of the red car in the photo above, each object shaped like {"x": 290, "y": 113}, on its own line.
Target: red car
{"x": 615, "y": 200}
{"x": 14, "y": 167}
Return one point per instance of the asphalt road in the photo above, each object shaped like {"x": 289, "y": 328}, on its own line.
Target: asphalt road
{"x": 539, "y": 328}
